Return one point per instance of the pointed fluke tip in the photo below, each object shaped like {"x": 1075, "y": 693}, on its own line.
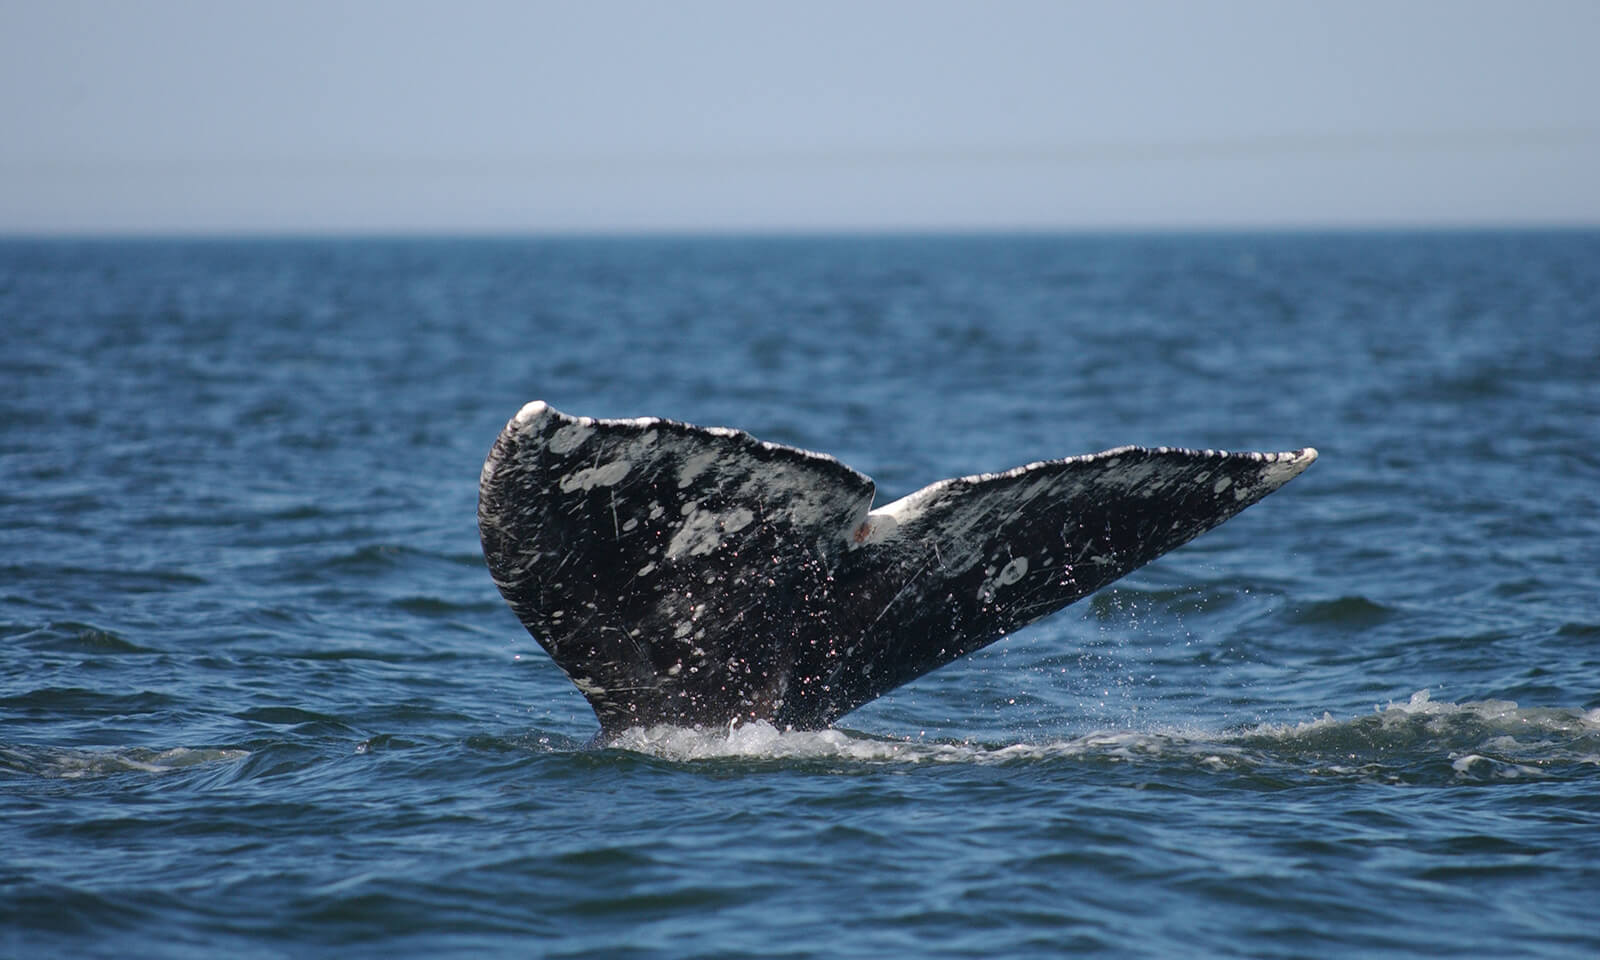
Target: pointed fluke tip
{"x": 1288, "y": 465}
{"x": 531, "y": 411}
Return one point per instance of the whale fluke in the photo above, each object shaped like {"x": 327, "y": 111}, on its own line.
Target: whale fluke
{"x": 698, "y": 576}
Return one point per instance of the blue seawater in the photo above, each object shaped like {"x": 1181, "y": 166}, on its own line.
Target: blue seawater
{"x": 259, "y": 698}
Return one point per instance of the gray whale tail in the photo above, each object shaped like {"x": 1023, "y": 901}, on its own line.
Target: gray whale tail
{"x": 698, "y": 576}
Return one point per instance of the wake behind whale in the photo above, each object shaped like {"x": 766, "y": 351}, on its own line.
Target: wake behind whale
{"x": 687, "y": 575}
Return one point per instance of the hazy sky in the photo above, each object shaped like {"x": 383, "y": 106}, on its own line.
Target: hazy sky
{"x": 219, "y": 115}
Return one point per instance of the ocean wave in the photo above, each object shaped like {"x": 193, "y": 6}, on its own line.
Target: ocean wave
{"x": 76, "y": 764}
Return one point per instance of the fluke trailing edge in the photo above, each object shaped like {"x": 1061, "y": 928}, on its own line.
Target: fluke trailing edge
{"x": 690, "y": 575}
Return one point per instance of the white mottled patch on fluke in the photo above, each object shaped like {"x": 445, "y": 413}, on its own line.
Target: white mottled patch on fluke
{"x": 702, "y": 530}
{"x": 737, "y": 519}
{"x": 591, "y": 477}
{"x": 1012, "y": 572}
{"x": 1005, "y": 577}
{"x": 698, "y": 535}
{"x": 694, "y": 466}
{"x": 569, "y": 437}
{"x": 588, "y": 688}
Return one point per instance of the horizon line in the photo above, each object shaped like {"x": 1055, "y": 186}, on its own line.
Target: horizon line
{"x": 797, "y": 231}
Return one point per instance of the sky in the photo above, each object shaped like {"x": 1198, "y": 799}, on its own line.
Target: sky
{"x": 711, "y": 115}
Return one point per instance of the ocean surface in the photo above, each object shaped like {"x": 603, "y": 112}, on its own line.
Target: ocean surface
{"x": 260, "y": 698}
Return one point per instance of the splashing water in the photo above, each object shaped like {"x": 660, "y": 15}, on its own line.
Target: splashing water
{"x": 1490, "y": 739}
